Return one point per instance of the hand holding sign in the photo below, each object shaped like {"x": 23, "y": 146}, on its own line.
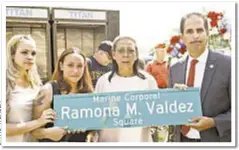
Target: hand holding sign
{"x": 201, "y": 123}
{"x": 180, "y": 86}
{"x": 48, "y": 116}
{"x": 75, "y": 131}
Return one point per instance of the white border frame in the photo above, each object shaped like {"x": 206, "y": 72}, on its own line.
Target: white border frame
{"x": 73, "y": 144}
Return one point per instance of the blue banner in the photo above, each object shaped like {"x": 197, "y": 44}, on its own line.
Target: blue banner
{"x": 127, "y": 109}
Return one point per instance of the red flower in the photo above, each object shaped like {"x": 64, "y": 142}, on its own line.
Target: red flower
{"x": 223, "y": 30}
{"x": 182, "y": 49}
{"x": 214, "y": 16}
{"x": 210, "y": 14}
{"x": 174, "y": 40}
{"x": 169, "y": 50}
{"x": 213, "y": 23}
{"x": 176, "y": 45}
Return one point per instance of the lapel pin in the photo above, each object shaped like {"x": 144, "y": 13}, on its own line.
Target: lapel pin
{"x": 211, "y": 66}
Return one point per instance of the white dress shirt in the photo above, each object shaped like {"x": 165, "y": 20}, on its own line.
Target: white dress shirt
{"x": 199, "y": 73}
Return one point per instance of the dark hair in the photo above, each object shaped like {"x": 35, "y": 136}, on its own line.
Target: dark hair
{"x": 115, "y": 65}
{"x": 182, "y": 23}
{"x": 106, "y": 46}
{"x": 84, "y": 84}
{"x": 141, "y": 63}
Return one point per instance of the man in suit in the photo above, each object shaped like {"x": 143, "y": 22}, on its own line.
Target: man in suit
{"x": 211, "y": 72}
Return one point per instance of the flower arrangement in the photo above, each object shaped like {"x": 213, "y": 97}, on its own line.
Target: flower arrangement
{"x": 219, "y": 31}
{"x": 176, "y": 47}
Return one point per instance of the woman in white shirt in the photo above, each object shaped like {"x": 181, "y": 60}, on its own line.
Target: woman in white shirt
{"x": 125, "y": 76}
{"x": 23, "y": 83}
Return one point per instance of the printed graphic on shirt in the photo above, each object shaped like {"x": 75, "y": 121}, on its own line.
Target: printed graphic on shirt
{"x": 96, "y": 69}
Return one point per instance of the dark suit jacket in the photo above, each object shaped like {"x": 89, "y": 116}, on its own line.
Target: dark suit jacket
{"x": 215, "y": 95}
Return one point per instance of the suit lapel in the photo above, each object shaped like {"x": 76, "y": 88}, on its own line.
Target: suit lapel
{"x": 208, "y": 74}
{"x": 181, "y": 75}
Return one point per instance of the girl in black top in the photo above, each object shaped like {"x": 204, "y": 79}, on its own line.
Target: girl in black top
{"x": 71, "y": 76}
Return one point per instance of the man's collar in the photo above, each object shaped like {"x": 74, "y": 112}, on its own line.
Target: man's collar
{"x": 202, "y": 58}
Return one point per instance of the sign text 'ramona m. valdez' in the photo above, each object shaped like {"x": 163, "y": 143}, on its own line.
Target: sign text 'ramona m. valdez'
{"x": 127, "y": 109}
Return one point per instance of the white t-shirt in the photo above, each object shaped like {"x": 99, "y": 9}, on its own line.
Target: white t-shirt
{"x": 118, "y": 84}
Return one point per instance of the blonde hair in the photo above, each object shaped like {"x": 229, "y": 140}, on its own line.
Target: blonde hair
{"x": 12, "y": 71}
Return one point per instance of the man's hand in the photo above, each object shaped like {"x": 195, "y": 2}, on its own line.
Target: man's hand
{"x": 201, "y": 123}
{"x": 180, "y": 86}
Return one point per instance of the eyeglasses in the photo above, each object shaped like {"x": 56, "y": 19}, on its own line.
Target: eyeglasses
{"x": 128, "y": 51}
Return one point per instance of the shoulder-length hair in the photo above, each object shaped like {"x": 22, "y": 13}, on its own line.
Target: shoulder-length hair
{"x": 12, "y": 70}
{"x": 115, "y": 67}
{"x": 84, "y": 84}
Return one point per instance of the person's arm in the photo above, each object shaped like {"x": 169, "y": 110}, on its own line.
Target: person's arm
{"x": 223, "y": 121}
{"x": 53, "y": 133}
{"x": 42, "y": 103}
{"x": 23, "y": 127}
